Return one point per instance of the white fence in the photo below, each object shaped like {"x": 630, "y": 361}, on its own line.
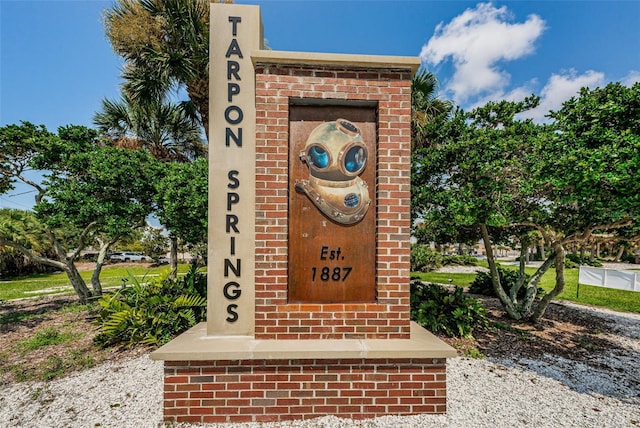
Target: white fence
{"x": 610, "y": 278}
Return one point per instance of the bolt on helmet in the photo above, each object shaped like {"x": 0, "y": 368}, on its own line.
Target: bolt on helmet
{"x": 336, "y": 155}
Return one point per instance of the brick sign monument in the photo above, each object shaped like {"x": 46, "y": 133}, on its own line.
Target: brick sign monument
{"x": 309, "y": 223}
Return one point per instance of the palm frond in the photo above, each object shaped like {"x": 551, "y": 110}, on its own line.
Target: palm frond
{"x": 189, "y": 301}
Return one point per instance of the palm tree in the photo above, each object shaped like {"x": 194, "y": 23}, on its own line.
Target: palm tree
{"x": 163, "y": 128}
{"x": 165, "y": 45}
{"x": 425, "y": 105}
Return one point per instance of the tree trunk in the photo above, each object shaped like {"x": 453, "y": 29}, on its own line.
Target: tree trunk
{"x": 541, "y": 254}
{"x": 102, "y": 254}
{"x": 532, "y": 285}
{"x": 620, "y": 253}
{"x": 508, "y": 305}
{"x": 77, "y": 282}
{"x": 524, "y": 252}
{"x": 95, "y": 276}
{"x": 173, "y": 256}
{"x": 558, "y": 250}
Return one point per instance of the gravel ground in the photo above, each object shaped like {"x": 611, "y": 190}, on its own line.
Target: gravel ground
{"x": 550, "y": 392}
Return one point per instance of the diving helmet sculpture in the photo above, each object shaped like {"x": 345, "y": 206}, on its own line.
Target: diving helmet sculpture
{"x": 336, "y": 155}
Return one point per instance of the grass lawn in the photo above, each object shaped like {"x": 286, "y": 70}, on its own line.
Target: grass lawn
{"x": 458, "y": 279}
{"x": 52, "y": 283}
{"x": 618, "y": 300}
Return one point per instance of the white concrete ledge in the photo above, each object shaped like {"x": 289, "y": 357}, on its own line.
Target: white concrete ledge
{"x": 341, "y": 60}
{"x": 195, "y": 345}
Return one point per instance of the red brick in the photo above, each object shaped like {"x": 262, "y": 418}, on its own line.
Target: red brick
{"x": 226, "y": 410}
{"x": 187, "y": 387}
{"x": 351, "y": 393}
{"x": 214, "y": 419}
{"x": 279, "y": 410}
{"x": 176, "y": 395}
{"x": 213, "y": 386}
{"x": 201, "y": 411}
{"x": 213, "y": 403}
{"x": 176, "y": 411}
{"x": 325, "y": 409}
{"x": 187, "y": 403}
{"x": 176, "y": 379}
{"x": 349, "y": 409}
{"x": 378, "y": 410}
{"x": 189, "y": 419}
{"x": 401, "y": 409}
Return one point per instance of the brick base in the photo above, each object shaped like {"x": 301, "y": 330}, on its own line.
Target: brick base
{"x": 276, "y": 390}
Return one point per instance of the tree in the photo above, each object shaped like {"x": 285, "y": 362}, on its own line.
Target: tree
{"x": 161, "y": 127}
{"x": 567, "y": 180}
{"x": 589, "y": 165}
{"x": 87, "y": 189}
{"x": 154, "y": 242}
{"x": 473, "y": 175}
{"x": 182, "y": 200}
{"x": 165, "y": 45}
{"x": 425, "y": 105}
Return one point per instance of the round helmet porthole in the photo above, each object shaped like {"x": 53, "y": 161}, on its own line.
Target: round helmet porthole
{"x": 355, "y": 159}
{"x": 318, "y": 157}
{"x": 347, "y": 127}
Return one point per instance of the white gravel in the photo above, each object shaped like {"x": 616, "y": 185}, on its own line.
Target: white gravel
{"x": 551, "y": 392}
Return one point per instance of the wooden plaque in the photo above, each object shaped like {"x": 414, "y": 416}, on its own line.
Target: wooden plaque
{"x": 331, "y": 255}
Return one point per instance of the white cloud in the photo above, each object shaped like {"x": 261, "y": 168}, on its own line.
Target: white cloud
{"x": 561, "y": 87}
{"x": 477, "y": 41}
{"x": 631, "y": 78}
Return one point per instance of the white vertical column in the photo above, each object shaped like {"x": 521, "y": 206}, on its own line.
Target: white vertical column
{"x": 235, "y": 33}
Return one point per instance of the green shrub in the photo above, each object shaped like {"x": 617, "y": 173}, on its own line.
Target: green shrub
{"x": 569, "y": 264}
{"x": 440, "y": 311}
{"x": 152, "y": 313}
{"x": 424, "y": 259}
{"x": 463, "y": 260}
{"x": 628, "y": 257}
{"x": 575, "y": 258}
{"x": 14, "y": 264}
{"x": 482, "y": 284}
{"x": 572, "y": 261}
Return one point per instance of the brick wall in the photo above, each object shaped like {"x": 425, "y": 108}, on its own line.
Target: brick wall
{"x": 275, "y": 390}
{"x": 388, "y": 318}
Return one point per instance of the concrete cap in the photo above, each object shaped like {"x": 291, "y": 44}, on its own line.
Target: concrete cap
{"x": 195, "y": 345}
{"x": 341, "y": 60}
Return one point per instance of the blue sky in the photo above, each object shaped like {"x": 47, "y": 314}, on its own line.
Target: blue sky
{"x": 56, "y": 64}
